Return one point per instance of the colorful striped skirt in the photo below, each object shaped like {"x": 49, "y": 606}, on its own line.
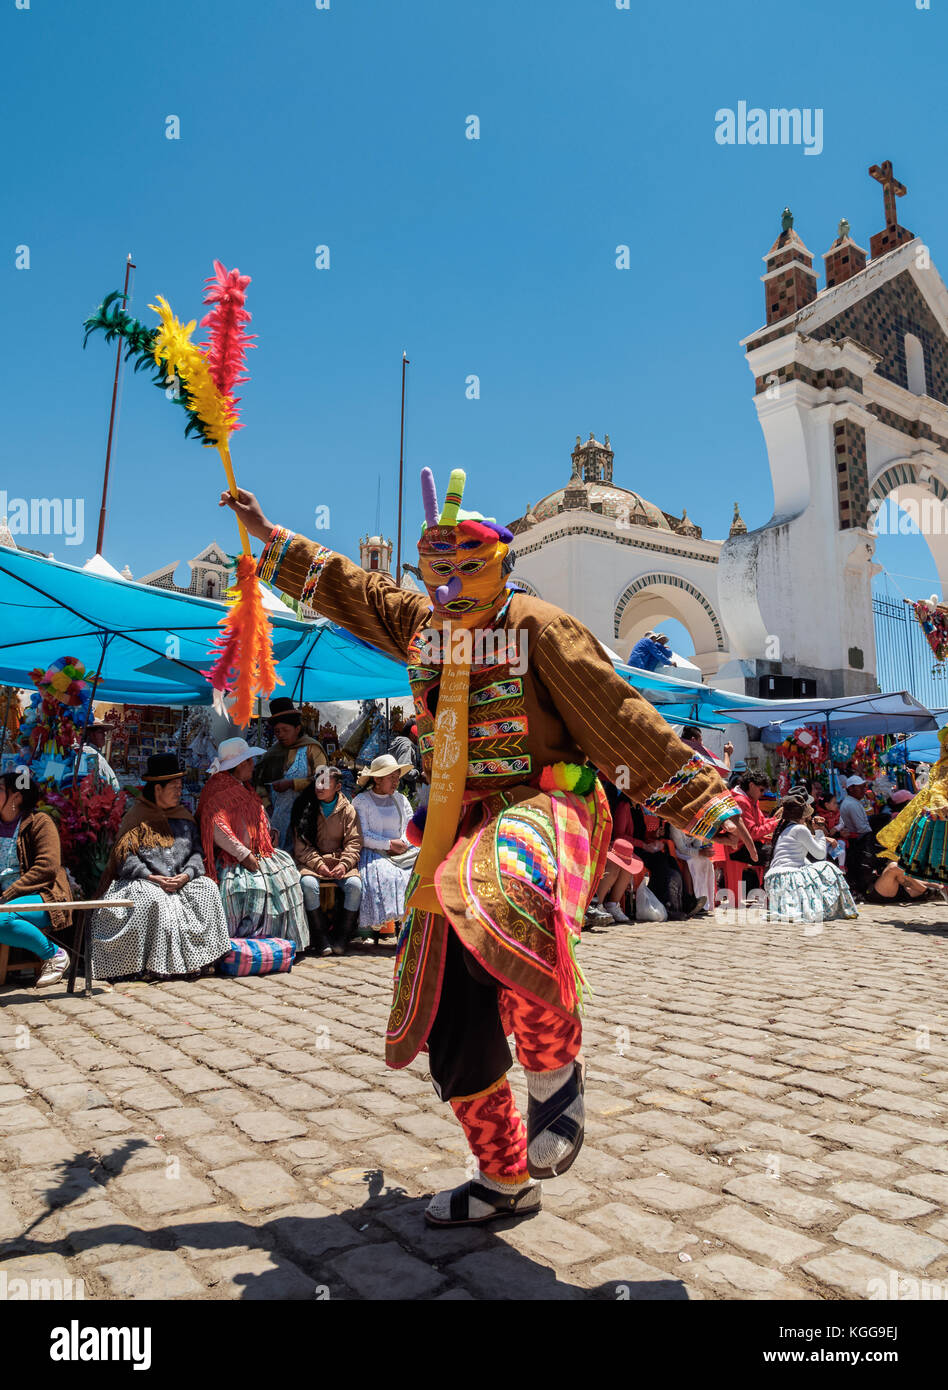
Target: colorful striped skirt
{"x": 924, "y": 851}
{"x": 268, "y": 903}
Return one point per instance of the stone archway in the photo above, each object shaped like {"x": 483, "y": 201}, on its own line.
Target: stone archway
{"x": 916, "y": 489}
{"x": 654, "y": 598}
{"x": 524, "y": 584}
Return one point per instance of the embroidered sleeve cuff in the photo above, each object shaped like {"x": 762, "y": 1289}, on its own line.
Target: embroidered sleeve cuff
{"x": 675, "y": 784}
{"x": 320, "y": 556}
{"x": 273, "y": 553}
{"x": 713, "y": 815}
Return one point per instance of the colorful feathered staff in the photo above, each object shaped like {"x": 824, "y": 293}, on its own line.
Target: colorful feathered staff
{"x": 207, "y": 376}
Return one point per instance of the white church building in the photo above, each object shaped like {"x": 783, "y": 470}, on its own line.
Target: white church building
{"x": 851, "y": 391}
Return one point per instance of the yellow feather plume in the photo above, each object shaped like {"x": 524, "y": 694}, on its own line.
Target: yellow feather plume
{"x": 186, "y": 361}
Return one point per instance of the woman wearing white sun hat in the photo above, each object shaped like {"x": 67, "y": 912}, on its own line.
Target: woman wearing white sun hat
{"x": 387, "y": 857}
{"x": 260, "y": 885}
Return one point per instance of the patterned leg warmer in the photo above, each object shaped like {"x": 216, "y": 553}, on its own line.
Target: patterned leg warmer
{"x": 498, "y": 1140}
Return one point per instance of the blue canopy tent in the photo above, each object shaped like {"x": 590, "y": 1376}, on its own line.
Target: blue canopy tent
{"x": 853, "y": 716}
{"x": 690, "y": 702}
{"x": 152, "y": 645}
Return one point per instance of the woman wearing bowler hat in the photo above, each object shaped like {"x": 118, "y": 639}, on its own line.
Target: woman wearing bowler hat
{"x": 177, "y": 924}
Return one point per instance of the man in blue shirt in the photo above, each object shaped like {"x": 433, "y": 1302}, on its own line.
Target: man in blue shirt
{"x": 651, "y": 651}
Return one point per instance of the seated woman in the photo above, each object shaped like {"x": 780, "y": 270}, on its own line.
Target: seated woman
{"x": 327, "y": 843}
{"x": 31, "y": 871}
{"x": 387, "y": 857}
{"x": 798, "y": 891}
{"x": 260, "y": 886}
{"x": 177, "y": 924}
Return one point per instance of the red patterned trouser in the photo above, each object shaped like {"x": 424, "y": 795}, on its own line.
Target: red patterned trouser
{"x": 544, "y": 1041}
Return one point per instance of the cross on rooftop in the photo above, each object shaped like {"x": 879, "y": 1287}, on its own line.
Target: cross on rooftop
{"x": 891, "y": 189}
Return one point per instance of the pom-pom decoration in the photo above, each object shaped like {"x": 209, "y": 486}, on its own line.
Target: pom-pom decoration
{"x": 205, "y": 377}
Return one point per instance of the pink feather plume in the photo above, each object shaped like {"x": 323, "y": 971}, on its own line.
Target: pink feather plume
{"x": 228, "y": 339}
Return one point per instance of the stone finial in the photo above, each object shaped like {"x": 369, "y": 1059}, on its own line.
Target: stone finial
{"x": 607, "y": 442}
{"x": 126, "y": 573}
{"x": 786, "y": 221}
{"x": 738, "y": 525}
{"x": 843, "y": 228}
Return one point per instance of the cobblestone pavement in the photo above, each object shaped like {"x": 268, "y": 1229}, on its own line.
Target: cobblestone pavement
{"x": 766, "y": 1120}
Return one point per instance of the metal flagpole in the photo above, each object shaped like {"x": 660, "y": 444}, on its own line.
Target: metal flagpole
{"x": 401, "y": 466}
{"x": 108, "y": 451}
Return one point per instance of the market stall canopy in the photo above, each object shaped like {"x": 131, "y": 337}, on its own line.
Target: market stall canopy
{"x": 854, "y": 716}
{"x": 690, "y": 702}
{"x": 154, "y": 644}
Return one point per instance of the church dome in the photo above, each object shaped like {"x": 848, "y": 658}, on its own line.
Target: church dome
{"x": 610, "y": 501}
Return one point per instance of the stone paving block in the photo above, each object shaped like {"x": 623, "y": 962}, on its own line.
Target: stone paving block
{"x": 928, "y": 1156}
{"x": 860, "y": 1137}
{"x": 676, "y": 1159}
{"x": 262, "y": 1276}
{"x": 387, "y": 1271}
{"x": 8, "y": 1092}
{"x": 900, "y": 1124}
{"x": 503, "y": 1273}
{"x": 157, "y": 1190}
{"x": 554, "y": 1241}
{"x": 214, "y": 1233}
{"x": 732, "y": 1223}
{"x": 928, "y": 1185}
{"x": 74, "y": 1096}
{"x": 782, "y": 1199}
{"x": 637, "y": 1227}
{"x": 257, "y": 1184}
{"x": 131, "y": 1154}
{"x": 669, "y": 1195}
{"x": 39, "y": 1148}
{"x": 406, "y": 1221}
{"x": 823, "y": 1084}
{"x": 266, "y": 1126}
{"x": 151, "y": 1098}
{"x": 742, "y": 1278}
{"x": 905, "y": 1248}
{"x": 628, "y": 1279}
{"x": 218, "y": 1150}
{"x": 296, "y": 1095}
{"x": 309, "y": 1232}
{"x": 880, "y": 1200}
{"x": 902, "y": 1104}
{"x": 850, "y": 1273}
{"x": 16, "y": 1118}
{"x": 399, "y": 1153}
{"x": 192, "y": 1080}
{"x": 184, "y": 1123}
{"x": 862, "y": 1165}
{"x": 152, "y": 1274}
{"x": 672, "y": 1127}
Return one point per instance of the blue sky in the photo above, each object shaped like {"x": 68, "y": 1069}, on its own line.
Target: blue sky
{"x": 492, "y": 257}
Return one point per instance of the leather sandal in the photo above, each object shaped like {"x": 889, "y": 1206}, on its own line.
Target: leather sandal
{"x": 548, "y": 1116}
{"x": 501, "y": 1205}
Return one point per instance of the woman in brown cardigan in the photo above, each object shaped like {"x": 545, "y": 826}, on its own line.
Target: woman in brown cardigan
{"x": 31, "y": 871}
{"x": 327, "y": 843}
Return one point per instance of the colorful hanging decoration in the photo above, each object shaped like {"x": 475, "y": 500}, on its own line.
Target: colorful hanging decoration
{"x": 204, "y": 378}
{"x": 805, "y": 752}
{"x": 58, "y": 711}
{"x": 932, "y": 617}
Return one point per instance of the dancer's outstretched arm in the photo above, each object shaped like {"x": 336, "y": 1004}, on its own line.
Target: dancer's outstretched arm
{"x": 369, "y": 605}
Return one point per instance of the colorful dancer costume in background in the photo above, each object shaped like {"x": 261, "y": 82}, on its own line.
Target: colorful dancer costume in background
{"x": 918, "y": 836}
{"x": 516, "y": 833}
{"x": 203, "y": 379}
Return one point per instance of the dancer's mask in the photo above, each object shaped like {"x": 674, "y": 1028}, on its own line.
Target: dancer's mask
{"x": 463, "y": 558}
